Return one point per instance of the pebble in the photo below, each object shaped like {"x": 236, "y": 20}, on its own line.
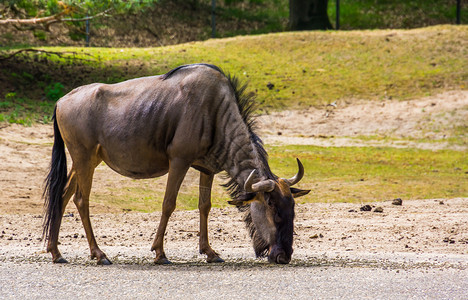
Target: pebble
{"x": 378, "y": 209}
{"x": 366, "y": 207}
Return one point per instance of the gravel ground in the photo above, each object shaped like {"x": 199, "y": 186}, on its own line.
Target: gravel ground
{"x": 45, "y": 281}
{"x": 417, "y": 250}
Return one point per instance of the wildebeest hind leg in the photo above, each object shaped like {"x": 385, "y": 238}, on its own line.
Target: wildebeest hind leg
{"x": 52, "y": 245}
{"x": 85, "y": 177}
{"x": 177, "y": 170}
{"x": 204, "y": 206}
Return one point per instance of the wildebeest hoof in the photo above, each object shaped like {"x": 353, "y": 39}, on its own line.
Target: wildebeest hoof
{"x": 162, "y": 261}
{"x": 60, "y": 260}
{"x": 104, "y": 262}
{"x": 215, "y": 259}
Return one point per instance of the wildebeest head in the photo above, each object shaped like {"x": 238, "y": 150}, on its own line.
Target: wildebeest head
{"x": 270, "y": 216}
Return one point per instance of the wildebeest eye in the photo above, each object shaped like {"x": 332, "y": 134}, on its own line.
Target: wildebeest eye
{"x": 277, "y": 218}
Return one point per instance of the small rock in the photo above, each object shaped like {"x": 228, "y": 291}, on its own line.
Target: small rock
{"x": 315, "y": 236}
{"x": 441, "y": 202}
{"x": 352, "y": 210}
{"x": 270, "y": 85}
{"x": 366, "y": 207}
{"x": 378, "y": 209}
{"x": 449, "y": 240}
{"x": 69, "y": 215}
{"x": 397, "y": 201}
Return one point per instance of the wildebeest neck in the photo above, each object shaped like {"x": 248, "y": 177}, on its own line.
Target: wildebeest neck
{"x": 242, "y": 152}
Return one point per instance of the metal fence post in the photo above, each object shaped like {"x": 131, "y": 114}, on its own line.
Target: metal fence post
{"x": 458, "y": 12}
{"x": 213, "y": 18}
{"x": 337, "y": 25}
{"x": 87, "y": 31}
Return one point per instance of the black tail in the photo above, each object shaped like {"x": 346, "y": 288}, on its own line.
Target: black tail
{"x": 54, "y": 184}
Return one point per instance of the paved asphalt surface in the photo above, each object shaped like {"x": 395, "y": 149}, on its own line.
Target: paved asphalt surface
{"x": 325, "y": 278}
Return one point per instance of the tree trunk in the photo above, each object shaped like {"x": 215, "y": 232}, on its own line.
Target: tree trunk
{"x": 308, "y": 15}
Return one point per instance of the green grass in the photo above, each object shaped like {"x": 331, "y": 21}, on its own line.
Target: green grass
{"x": 351, "y": 174}
{"x": 348, "y": 174}
{"x": 24, "y": 111}
{"x": 306, "y": 68}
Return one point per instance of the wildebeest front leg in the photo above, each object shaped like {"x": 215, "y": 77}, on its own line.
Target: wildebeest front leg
{"x": 204, "y": 206}
{"x": 177, "y": 170}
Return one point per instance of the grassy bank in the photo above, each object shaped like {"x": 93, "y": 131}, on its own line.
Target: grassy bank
{"x": 348, "y": 174}
{"x": 285, "y": 70}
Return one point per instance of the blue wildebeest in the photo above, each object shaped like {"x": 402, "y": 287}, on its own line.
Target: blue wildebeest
{"x": 193, "y": 116}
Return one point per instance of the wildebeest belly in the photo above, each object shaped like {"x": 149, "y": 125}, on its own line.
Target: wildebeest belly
{"x": 135, "y": 163}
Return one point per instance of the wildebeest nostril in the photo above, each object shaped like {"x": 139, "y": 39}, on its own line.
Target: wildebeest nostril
{"x": 277, "y": 255}
{"x": 282, "y": 259}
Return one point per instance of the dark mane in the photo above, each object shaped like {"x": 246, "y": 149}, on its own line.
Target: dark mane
{"x": 247, "y": 106}
{"x": 173, "y": 71}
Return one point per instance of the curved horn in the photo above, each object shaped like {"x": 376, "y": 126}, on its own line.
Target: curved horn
{"x": 262, "y": 186}
{"x": 296, "y": 178}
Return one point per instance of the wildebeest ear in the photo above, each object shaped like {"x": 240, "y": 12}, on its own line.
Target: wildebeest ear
{"x": 298, "y": 192}
{"x": 243, "y": 199}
